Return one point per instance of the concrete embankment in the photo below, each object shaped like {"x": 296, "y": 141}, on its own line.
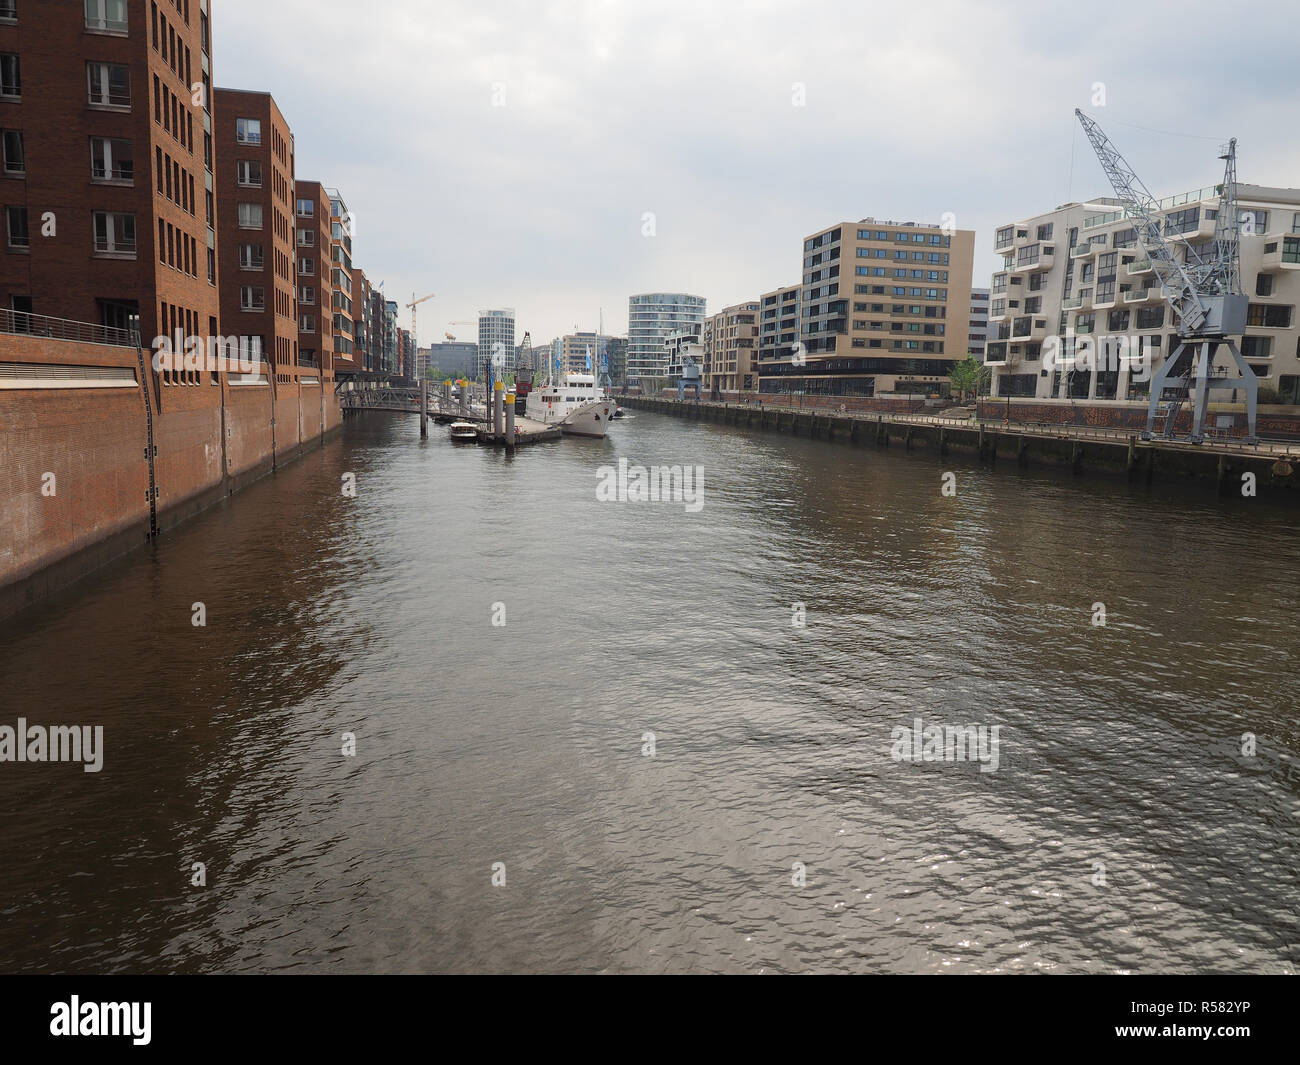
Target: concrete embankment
{"x": 1276, "y": 468}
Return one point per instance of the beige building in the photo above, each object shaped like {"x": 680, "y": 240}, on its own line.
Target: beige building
{"x": 884, "y": 309}
{"x": 1078, "y": 271}
{"x": 778, "y": 330}
{"x": 576, "y": 348}
{"x": 730, "y": 348}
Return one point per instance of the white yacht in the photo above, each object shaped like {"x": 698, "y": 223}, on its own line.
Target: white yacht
{"x": 575, "y": 403}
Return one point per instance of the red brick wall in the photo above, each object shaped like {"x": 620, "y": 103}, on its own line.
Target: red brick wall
{"x": 92, "y": 440}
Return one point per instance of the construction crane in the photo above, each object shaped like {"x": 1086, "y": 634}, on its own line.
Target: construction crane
{"x": 413, "y": 304}
{"x": 1203, "y": 289}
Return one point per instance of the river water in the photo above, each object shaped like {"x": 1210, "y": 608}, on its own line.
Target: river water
{"x": 673, "y": 775}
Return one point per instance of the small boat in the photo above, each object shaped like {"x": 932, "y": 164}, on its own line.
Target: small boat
{"x": 619, "y": 412}
{"x": 464, "y": 431}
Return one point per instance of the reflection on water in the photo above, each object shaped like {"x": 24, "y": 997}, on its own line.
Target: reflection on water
{"x": 523, "y": 743}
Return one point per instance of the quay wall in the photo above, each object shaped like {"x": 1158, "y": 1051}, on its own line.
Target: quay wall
{"x": 76, "y": 485}
{"x": 1076, "y": 451}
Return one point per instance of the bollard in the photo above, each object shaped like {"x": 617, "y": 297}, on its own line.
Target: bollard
{"x": 424, "y": 408}
{"x": 464, "y": 398}
{"x": 498, "y": 408}
{"x": 510, "y": 423}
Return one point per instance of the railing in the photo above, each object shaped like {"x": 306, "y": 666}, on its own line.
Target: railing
{"x": 23, "y": 323}
{"x": 1059, "y": 430}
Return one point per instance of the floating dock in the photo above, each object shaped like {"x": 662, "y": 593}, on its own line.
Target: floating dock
{"x": 527, "y": 431}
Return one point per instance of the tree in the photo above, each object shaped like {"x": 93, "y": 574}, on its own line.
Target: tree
{"x": 969, "y": 376}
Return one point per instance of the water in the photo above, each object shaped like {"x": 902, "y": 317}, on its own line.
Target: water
{"x": 523, "y": 743}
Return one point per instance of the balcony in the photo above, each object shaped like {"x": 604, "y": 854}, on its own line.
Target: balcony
{"x": 1139, "y": 266}
{"x": 1141, "y": 295}
{"x": 1071, "y": 303}
{"x": 1028, "y": 264}
{"x": 1029, "y": 328}
{"x": 1082, "y": 251}
{"x": 1281, "y": 253}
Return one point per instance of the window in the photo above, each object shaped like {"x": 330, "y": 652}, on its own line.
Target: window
{"x": 16, "y": 223}
{"x": 250, "y": 216}
{"x": 1269, "y": 316}
{"x": 306, "y": 266}
{"x": 110, "y": 84}
{"x": 306, "y": 294}
{"x": 248, "y": 130}
{"x": 252, "y": 298}
{"x": 250, "y": 256}
{"x": 111, "y": 159}
{"x": 114, "y": 233}
{"x": 8, "y": 10}
{"x": 307, "y": 324}
{"x": 106, "y": 15}
{"x": 1264, "y": 285}
{"x": 1256, "y": 347}
{"x": 306, "y": 209}
{"x": 1045, "y": 231}
{"x": 250, "y": 173}
{"x": 11, "y": 81}
{"x": 306, "y": 238}
{"x": 1253, "y": 222}
{"x": 1183, "y": 221}
{"x": 15, "y": 159}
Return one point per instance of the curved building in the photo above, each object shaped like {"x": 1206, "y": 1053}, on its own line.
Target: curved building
{"x": 651, "y": 317}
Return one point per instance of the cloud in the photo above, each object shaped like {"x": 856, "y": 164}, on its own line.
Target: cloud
{"x": 685, "y": 109}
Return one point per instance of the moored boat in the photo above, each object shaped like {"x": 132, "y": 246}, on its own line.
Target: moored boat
{"x": 463, "y": 431}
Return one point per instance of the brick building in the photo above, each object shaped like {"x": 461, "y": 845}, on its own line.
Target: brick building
{"x": 106, "y": 156}
{"x": 315, "y": 291}
{"x": 257, "y": 251}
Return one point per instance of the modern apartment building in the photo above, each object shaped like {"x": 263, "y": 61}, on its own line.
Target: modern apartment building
{"x": 652, "y": 316}
{"x": 341, "y": 309}
{"x": 315, "y": 292}
{"x": 455, "y": 357}
{"x": 730, "y": 341}
{"x": 779, "y": 317}
{"x": 884, "y": 309}
{"x": 1079, "y": 271}
{"x": 680, "y": 346}
{"x": 257, "y": 249}
{"x": 580, "y": 353}
{"x": 496, "y": 339}
{"x": 616, "y": 356}
{"x": 979, "y": 323}
{"x": 106, "y": 190}
{"x": 392, "y": 353}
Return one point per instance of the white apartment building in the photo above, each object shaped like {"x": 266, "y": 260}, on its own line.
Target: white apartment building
{"x": 651, "y": 317}
{"x": 496, "y": 339}
{"x": 1078, "y": 270}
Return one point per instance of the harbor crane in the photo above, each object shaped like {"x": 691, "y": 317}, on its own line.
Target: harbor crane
{"x": 1203, "y": 289}
{"x": 413, "y": 304}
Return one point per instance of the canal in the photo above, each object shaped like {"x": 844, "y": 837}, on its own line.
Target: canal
{"x": 612, "y": 710}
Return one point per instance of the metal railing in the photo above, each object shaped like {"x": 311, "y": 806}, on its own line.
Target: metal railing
{"x": 1057, "y": 430}
{"x": 24, "y": 323}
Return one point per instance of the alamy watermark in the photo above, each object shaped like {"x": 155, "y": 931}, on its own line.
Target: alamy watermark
{"x": 214, "y": 354}
{"x": 946, "y": 743}
{"x": 57, "y": 743}
{"x": 652, "y": 484}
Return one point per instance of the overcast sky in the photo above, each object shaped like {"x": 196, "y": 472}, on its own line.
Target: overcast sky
{"x": 505, "y": 153}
